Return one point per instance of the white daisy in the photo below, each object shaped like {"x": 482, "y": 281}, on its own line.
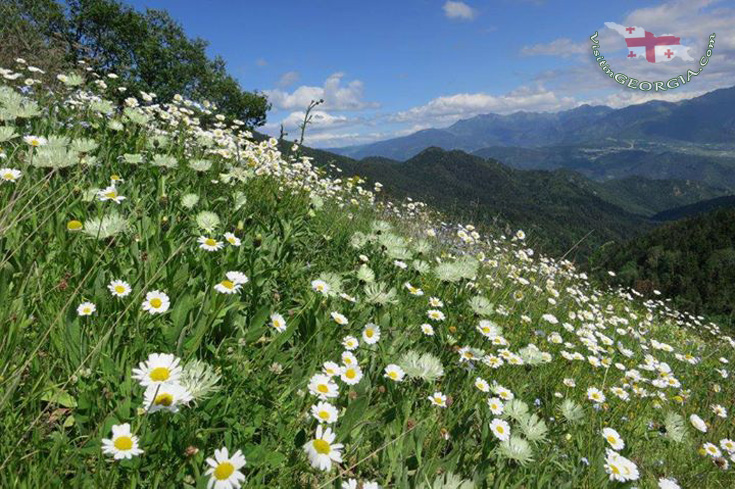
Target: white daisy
{"x": 323, "y": 386}
{"x": 427, "y": 329}
{"x": 232, "y": 239}
{"x": 166, "y": 396}
{"x": 371, "y": 334}
{"x": 110, "y": 193}
{"x": 500, "y": 429}
{"x": 613, "y": 438}
{"x": 224, "y": 470}
{"x": 278, "y": 323}
{"x": 698, "y": 423}
{"x": 227, "y": 287}
{"x": 160, "y": 368}
{"x": 122, "y": 445}
{"x": 339, "y": 318}
{"x": 9, "y": 175}
{"x": 324, "y": 412}
{"x": 320, "y": 286}
{"x": 496, "y": 406}
{"x": 351, "y": 375}
{"x": 394, "y": 372}
{"x": 350, "y": 343}
{"x": 322, "y": 450}
{"x": 438, "y": 399}
{"x": 237, "y": 277}
{"x": 118, "y": 288}
{"x": 86, "y": 309}
{"x": 209, "y": 244}
{"x": 156, "y": 302}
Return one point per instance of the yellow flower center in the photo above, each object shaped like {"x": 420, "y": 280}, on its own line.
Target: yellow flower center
{"x": 119, "y": 289}
{"x": 160, "y": 374}
{"x": 322, "y": 447}
{"x": 9, "y": 176}
{"x": 210, "y": 242}
{"x": 369, "y": 333}
{"x": 164, "y": 399}
{"x": 123, "y": 443}
{"x": 350, "y": 374}
{"x": 615, "y": 469}
{"x": 437, "y": 399}
{"x": 393, "y": 375}
{"x": 227, "y": 284}
{"x": 74, "y": 225}
{"x": 611, "y": 439}
{"x": 500, "y": 429}
{"x": 111, "y": 194}
{"x": 35, "y": 142}
{"x": 224, "y": 471}
{"x": 156, "y": 302}
{"x": 324, "y": 415}
{"x": 322, "y": 388}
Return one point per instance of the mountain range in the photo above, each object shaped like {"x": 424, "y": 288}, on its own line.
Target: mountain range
{"x": 691, "y": 140}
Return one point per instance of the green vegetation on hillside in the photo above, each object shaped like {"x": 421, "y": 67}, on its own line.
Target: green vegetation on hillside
{"x": 692, "y": 261}
{"x": 148, "y": 51}
{"x": 184, "y": 307}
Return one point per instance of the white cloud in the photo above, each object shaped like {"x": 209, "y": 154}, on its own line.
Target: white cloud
{"x": 448, "y": 109}
{"x": 563, "y": 47}
{"x": 288, "y": 78}
{"x": 336, "y": 96}
{"x": 459, "y": 10}
{"x": 261, "y": 62}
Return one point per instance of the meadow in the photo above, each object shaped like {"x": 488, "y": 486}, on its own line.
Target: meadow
{"x": 184, "y": 305}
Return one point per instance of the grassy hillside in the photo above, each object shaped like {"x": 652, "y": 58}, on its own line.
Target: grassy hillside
{"x": 692, "y": 261}
{"x": 185, "y": 307}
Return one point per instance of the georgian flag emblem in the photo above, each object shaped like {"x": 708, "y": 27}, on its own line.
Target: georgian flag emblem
{"x": 642, "y": 44}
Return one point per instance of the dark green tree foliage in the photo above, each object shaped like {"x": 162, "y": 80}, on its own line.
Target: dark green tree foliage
{"x": 692, "y": 260}
{"x": 148, "y": 50}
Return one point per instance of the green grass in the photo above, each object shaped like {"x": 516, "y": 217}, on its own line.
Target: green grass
{"x": 66, "y": 379}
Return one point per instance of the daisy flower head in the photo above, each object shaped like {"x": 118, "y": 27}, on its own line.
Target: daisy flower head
{"x": 156, "y": 302}
{"x": 350, "y": 343}
{"x": 119, "y": 288}
{"x": 159, "y": 368}
{"x": 209, "y": 244}
{"x": 166, "y": 396}
{"x": 9, "y": 175}
{"x": 348, "y": 358}
{"x": 232, "y": 239}
{"x": 438, "y": 399}
{"x": 595, "y": 395}
{"x": 110, "y": 193}
{"x": 320, "y": 286}
{"x": 619, "y": 468}
{"x": 728, "y": 445}
{"x": 339, "y": 318}
{"x": 711, "y": 450}
{"x": 613, "y": 438}
{"x": 35, "y": 141}
{"x": 501, "y": 429}
{"x": 351, "y": 375}
{"x": 86, "y": 309}
{"x": 322, "y": 451}
{"x": 224, "y": 470}
{"x": 237, "y": 278}
{"x": 227, "y": 287}
{"x": 123, "y": 444}
{"x": 435, "y": 302}
{"x": 482, "y": 384}
{"x": 698, "y": 423}
{"x": 496, "y": 406}
{"x": 427, "y": 329}
{"x": 394, "y": 372}
{"x": 323, "y": 386}
{"x": 371, "y": 334}
{"x": 668, "y": 483}
{"x": 278, "y": 323}
{"x": 331, "y": 369}
{"x": 435, "y": 315}
{"x": 324, "y": 412}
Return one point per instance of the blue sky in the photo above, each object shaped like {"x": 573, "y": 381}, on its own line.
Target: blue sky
{"x": 390, "y": 67}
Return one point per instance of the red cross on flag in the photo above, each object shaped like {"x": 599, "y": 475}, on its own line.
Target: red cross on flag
{"x": 642, "y": 44}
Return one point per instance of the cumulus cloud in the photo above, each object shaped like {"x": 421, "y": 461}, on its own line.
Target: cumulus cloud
{"x": 459, "y": 11}
{"x": 288, "y": 79}
{"x": 448, "y": 109}
{"x": 336, "y": 95}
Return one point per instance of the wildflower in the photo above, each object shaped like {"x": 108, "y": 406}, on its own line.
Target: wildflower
{"x": 339, "y": 318}
{"x": 501, "y": 429}
{"x": 227, "y": 287}
{"x": 371, "y": 334}
{"x": 118, "y": 288}
{"x": 158, "y": 369}
{"x": 324, "y": 412}
{"x": 413, "y": 290}
{"x": 156, "y": 302}
{"x": 322, "y": 451}
{"x": 35, "y": 141}
{"x": 427, "y": 329}
{"x": 9, "y": 175}
{"x": 351, "y": 375}
{"x": 224, "y": 470}
{"x": 435, "y": 315}
{"x": 394, "y": 372}
{"x": 320, "y": 286}
{"x": 232, "y": 239}
{"x": 620, "y": 468}
{"x": 728, "y": 445}
{"x": 711, "y": 450}
{"x": 86, "y": 309}
{"x": 595, "y": 395}
{"x": 698, "y": 423}
{"x": 668, "y": 483}
{"x": 323, "y": 386}
{"x": 209, "y": 244}
{"x": 278, "y": 323}
{"x": 123, "y": 444}
{"x": 199, "y": 379}
{"x": 482, "y": 385}
{"x": 613, "y": 438}
{"x": 719, "y": 411}
{"x": 438, "y": 399}
{"x": 435, "y": 302}
{"x": 495, "y": 405}
{"x": 349, "y": 358}
{"x": 331, "y": 369}
{"x": 350, "y": 343}
{"x": 237, "y": 277}
{"x": 110, "y": 193}
{"x": 166, "y": 396}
